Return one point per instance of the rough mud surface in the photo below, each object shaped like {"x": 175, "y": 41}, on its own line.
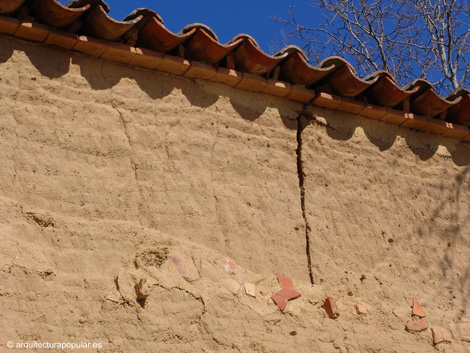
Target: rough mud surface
{"x": 108, "y": 173}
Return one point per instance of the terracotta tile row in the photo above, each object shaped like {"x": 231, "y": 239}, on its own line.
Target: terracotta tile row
{"x": 141, "y": 39}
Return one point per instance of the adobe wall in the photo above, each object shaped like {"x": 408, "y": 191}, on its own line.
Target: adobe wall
{"x": 108, "y": 171}
{"x": 387, "y": 209}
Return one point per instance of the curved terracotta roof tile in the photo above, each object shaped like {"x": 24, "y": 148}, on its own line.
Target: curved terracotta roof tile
{"x": 292, "y": 49}
{"x": 296, "y": 69}
{"x": 131, "y": 36}
{"x": 386, "y": 93}
{"x": 157, "y": 37}
{"x": 7, "y": 7}
{"x": 145, "y": 13}
{"x": 54, "y": 14}
{"x": 345, "y": 83}
{"x": 460, "y": 112}
{"x": 250, "y": 58}
{"x": 430, "y": 104}
{"x": 202, "y": 26}
{"x": 337, "y": 62}
{"x": 203, "y": 47}
{"x": 93, "y": 3}
{"x": 418, "y": 86}
{"x": 99, "y": 24}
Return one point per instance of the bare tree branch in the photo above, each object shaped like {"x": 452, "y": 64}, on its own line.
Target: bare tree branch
{"x": 411, "y": 39}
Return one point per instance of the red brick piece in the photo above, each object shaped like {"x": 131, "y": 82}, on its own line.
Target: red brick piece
{"x": 416, "y": 326}
{"x": 250, "y": 289}
{"x": 440, "y": 335}
{"x": 230, "y": 284}
{"x": 185, "y": 267}
{"x": 228, "y": 264}
{"x": 288, "y": 294}
{"x": 209, "y": 271}
{"x": 284, "y": 281}
{"x": 417, "y": 309}
{"x": 330, "y": 307}
{"x": 280, "y": 301}
{"x": 361, "y": 309}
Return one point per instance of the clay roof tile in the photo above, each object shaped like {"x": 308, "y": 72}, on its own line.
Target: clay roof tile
{"x": 143, "y": 30}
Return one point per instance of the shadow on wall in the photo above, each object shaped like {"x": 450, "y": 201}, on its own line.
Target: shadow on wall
{"x": 342, "y": 126}
{"x": 445, "y": 217}
{"x": 103, "y": 75}
{"x": 453, "y": 232}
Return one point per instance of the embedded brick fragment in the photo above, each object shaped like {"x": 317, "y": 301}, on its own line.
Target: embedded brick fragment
{"x": 209, "y": 271}
{"x": 230, "y": 284}
{"x": 284, "y": 281}
{"x": 280, "y": 301}
{"x": 185, "y": 267}
{"x": 288, "y": 294}
{"x": 250, "y": 289}
{"x": 361, "y": 309}
{"x": 228, "y": 264}
{"x": 330, "y": 307}
{"x": 440, "y": 335}
{"x": 417, "y": 309}
{"x": 416, "y": 326}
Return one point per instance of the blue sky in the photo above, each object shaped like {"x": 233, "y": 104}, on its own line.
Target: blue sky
{"x": 226, "y": 18}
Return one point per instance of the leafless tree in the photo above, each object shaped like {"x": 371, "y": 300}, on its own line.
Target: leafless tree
{"x": 411, "y": 39}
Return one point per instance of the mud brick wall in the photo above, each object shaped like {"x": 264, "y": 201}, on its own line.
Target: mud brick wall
{"x": 109, "y": 171}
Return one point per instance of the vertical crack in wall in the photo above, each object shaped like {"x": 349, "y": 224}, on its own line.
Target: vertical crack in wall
{"x": 134, "y": 166}
{"x": 300, "y": 173}
{"x": 216, "y": 200}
